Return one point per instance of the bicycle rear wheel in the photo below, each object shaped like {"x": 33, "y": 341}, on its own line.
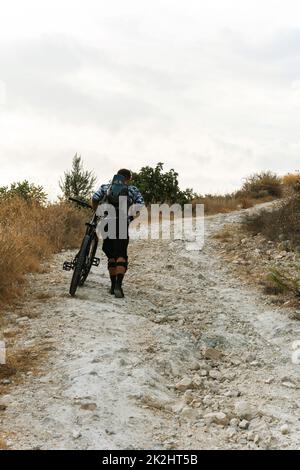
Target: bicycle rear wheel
{"x": 80, "y": 264}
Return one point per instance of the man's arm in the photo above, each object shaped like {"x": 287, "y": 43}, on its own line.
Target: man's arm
{"x": 98, "y": 196}
{"x": 137, "y": 202}
{"x": 137, "y": 197}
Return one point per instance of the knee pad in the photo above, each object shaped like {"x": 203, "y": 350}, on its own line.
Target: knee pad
{"x": 111, "y": 263}
{"x": 124, "y": 264}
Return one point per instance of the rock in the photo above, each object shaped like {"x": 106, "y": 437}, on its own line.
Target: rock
{"x": 243, "y": 410}
{"x": 194, "y": 365}
{"x": 177, "y": 408}
{"x": 244, "y": 424}
{"x": 250, "y": 357}
{"x": 234, "y": 422}
{"x": 281, "y": 255}
{"x": 88, "y": 406}
{"x": 284, "y": 429}
{"x": 184, "y": 384}
{"x": 232, "y": 393}
{"x": 295, "y": 314}
{"x": 9, "y": 332}
{"x": 202, "y": 372}
{"x": 231, "y": 432}
{"x": 6, "y": 381}
{"x": 213, "y": 354}
{"x": 3, "y": 405}
{"x": 229, "y": 375}
{"x": 160, "y": 401}
{"x": 269, "y": 380}
{"x": 22, "y": 319}
{"x": 190, "y": 413}
{"x": 215, "y": 374}
{"x": 288, "y": 384}
{"x": 169, "y": 266}
{"x": 217, "y": 417}
{"x": 197, "y": 380}
{"x": 76, "y": 434}
{"x": 160, "y": 319}
{"x": 188, "y": 396}
{"x": 207, "y": 399}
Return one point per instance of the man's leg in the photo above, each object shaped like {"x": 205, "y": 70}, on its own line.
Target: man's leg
{"x": 121, "y": 268}
{"x": 112, "y": 273}
{"x": 108, "y": 249}
{"x": 121, "y": 264}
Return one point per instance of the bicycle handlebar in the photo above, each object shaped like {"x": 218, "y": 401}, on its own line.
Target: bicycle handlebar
{"x": 80, "y": 202}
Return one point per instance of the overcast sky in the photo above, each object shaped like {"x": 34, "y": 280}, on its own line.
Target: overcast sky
{"x": 211, "y": 88}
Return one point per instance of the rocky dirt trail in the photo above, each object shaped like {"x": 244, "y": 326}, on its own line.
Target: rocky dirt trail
{"x": 191, "y": 358}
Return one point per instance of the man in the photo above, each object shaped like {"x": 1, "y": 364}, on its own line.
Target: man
{"x": 116, "y": 248}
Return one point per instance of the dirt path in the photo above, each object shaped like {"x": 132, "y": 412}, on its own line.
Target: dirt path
{"x": 145, "y": 372}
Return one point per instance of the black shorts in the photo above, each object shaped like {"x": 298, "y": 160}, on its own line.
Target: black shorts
{"x": 115, "y": 248}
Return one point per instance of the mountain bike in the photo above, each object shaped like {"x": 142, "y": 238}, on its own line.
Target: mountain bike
{"x": 85, "y": 258}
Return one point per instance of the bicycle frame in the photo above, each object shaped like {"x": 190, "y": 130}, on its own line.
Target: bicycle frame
{"x": 90, "y": 231}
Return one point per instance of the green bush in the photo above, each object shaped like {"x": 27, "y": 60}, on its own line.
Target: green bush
{"x": 158, "y": 186}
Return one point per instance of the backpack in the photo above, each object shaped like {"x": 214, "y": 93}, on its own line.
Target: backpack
{"x": 116, "y": 189}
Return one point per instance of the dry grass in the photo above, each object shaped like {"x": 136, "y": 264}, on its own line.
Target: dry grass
{"x": 259, "y": 187}
{"x": 291, "y": 179}
{"x": 29, "y": 234}
{"x": 281, "y": 223}
{"x": 224, "y": 234}
{"x": 215, "y": 204}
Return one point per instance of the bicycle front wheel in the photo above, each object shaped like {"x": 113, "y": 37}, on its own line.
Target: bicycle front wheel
{"x": 80, "y": 264}
{"x": 89, "y": 261}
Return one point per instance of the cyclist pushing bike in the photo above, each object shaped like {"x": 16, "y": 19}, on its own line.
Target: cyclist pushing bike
{"x": 115, "y": 245}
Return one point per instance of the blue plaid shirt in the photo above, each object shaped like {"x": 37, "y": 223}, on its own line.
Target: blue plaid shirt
{"x": 133, "y": 193}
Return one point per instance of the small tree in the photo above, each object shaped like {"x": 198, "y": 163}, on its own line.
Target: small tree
{"x": 77, "y": 182}
{"x": 158, "y": 186}
{"x": 25, "y": 190}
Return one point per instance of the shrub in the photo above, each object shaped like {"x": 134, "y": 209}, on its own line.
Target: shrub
{"x": 262, "y": 184}
{"x": 284, "y": 281}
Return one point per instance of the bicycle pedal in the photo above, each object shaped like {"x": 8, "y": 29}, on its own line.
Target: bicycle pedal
{"x": 96, "y": 261}
{"x": 67, "y": 266}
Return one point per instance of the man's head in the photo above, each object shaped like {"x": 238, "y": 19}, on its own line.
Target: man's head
{"x": 126, "y": 173}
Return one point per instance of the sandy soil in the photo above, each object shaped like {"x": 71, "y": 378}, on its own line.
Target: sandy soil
{"x": 191, "y": 358}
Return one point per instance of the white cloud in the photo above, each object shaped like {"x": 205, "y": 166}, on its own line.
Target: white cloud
{"x": 210, "y": 88}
